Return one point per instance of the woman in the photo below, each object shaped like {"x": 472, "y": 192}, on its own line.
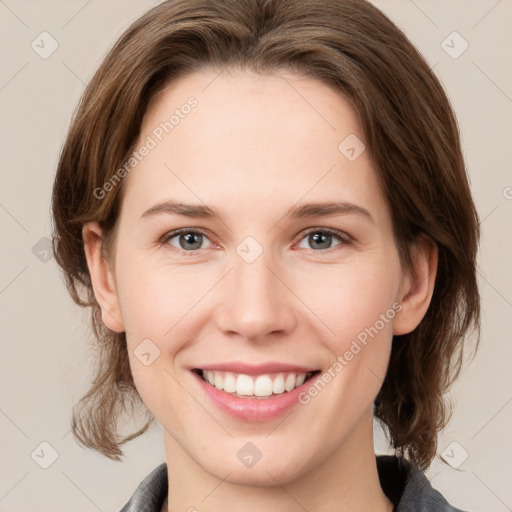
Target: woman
{"x": 266, "y": 206}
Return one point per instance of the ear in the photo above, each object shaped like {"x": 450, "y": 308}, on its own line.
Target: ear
{"x": 417, "y": 286}
{"x": 102, "y": 277}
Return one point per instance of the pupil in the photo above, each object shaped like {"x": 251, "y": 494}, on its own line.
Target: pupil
{"x": 191, "y": 238}
{"x": 323, "y": 239}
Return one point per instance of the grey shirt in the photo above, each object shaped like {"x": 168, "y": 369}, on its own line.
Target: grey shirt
{"x": 406, "y": 486}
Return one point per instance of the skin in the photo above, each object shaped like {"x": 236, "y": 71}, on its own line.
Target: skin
{"x": 298, "y": 302}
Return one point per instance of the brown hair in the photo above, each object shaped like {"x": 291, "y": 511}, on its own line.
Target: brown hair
{"x": 410, "y": 132}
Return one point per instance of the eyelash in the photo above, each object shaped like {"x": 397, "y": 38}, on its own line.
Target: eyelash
{"x": 343, "y": 237}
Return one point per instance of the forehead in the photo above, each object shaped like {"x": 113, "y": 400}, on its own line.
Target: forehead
{"x": 238, "y": 138}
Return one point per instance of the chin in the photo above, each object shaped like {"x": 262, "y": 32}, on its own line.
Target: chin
{"x": 263, "y": 476}
{"x": 268, "y": 471}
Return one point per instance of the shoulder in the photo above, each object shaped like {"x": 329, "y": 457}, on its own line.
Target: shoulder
{"x": 408, "y": 488}
{"x": 151, "y": 492}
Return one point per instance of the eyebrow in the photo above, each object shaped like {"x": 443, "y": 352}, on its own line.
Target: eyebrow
{"x": 303, "y": 211}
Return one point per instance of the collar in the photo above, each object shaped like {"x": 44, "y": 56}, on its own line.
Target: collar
{"x": 404, "y": 484}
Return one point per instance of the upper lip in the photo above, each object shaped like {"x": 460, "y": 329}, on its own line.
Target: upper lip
{"x": 255, "y": 369}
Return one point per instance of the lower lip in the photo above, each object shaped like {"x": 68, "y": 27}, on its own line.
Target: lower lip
{"x": 254, "y": 409}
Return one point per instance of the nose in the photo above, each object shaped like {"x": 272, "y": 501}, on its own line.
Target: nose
{"x": 256, "y": 300}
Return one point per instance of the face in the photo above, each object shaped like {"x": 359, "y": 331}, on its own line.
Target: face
{"x": 268, "y": 290}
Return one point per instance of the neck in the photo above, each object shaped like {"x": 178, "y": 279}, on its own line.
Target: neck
{"x": 346, "y": 480}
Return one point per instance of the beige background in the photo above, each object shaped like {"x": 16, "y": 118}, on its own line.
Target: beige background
{"x": 45, "y": 337}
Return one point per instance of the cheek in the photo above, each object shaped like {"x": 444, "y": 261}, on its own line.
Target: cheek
{"x": 152, "y": 299}
{"x": 157, "y": 305}
{"x": 154, "y": 310}
{"x": 358, "y": 304}
{"x": 351, "y": 299}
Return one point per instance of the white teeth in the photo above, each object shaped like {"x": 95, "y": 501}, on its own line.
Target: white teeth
{"x": 289, "y": 383}
{"x": 244, "y": 385}
{"x": 218, "y": 381}
{"x": 260, "y": 386}
{"x": 263, "y": 386}
{"x": 278, "y": 384}
{"x": 229, "y": 383}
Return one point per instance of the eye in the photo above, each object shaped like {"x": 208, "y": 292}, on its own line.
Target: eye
{"x": 188, "y": 240}
{"x": 322, "y": 238}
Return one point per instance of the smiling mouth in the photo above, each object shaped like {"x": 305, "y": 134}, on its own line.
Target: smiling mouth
{"x": 261, "y": 386}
